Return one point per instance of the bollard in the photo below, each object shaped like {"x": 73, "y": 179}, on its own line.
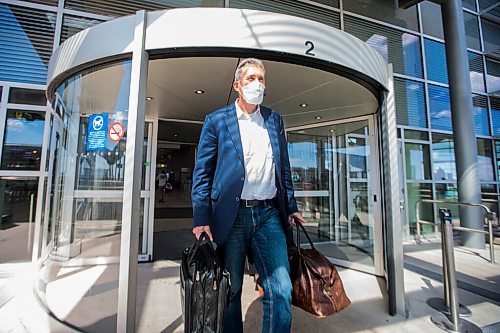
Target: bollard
{"x": 443, "y": 304}
{"x": 451, "y": 322}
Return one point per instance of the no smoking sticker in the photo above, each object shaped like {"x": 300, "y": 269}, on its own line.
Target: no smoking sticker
{"x": 116, "y": 132}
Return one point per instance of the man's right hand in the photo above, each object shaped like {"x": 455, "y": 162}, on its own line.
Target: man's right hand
{"x": 197, "y": 231}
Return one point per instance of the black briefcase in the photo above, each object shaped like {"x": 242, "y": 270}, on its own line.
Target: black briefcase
{"x": 205, "y": 287}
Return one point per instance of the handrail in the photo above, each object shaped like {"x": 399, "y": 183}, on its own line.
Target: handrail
{"x": 489, "y": 218}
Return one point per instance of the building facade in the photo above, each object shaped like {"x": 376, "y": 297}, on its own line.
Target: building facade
{"x": 411, "y": 40}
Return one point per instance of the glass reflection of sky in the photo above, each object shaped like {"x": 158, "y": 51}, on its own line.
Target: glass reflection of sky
{"x": 24, "y": 132}
{"x": 440, "y": 110}
{"x": 435, "y": 61}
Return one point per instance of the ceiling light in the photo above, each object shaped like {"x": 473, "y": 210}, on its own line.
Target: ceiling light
{"x": 317, "y": 117}
{"x": 176, "y": 135}
{"x": 199, "y": 92}
{"x": 149, "y": 98}
{"x": 302, "y": 105}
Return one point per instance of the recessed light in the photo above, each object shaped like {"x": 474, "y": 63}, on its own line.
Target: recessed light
{"x": 149, "y": 98}
{"x": 317, "y": 117}
{"x": 176, "y": 135}
{"x": 302, "y": 105}
{"x": 199, "y": 92}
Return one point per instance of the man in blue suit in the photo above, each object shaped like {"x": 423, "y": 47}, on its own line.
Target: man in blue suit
{"x": 243, "y": 196}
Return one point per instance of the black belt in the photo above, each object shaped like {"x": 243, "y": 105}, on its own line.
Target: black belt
{"x": 254, "y": 203}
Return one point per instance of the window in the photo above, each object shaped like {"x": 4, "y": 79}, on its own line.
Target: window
{"x": 491, "y": 31}
{"x": 493, "y": 77}
{"x": 435, "y": 60}
{"x": 497, "y": 153}
{"x": 485, "y": 160}
{"x": 387, "y": 11}
{"x": 410, "y": 103}
{"x": 417, "y": 161}
{"x": 476, "y": 72}
{"x": 17, "y": 205}
{"x": 472, "y": 31}
{"x": 432, "y": 22}
{"x": 23, "y": 140}
{"x": 416, "y": 135}
{"x": 469, "y": 4}
{"x": 72, "y": 25}
{"x": 495, "y": 115}
{"x": 27, "y": 96}
{"x": 26, "y": 41}
{"x": 439, "y": 108}
{"x": 480, "y": 109}
{"x": 397, "y": 47}
{"x": 417, "y": 192}
{"x": 120, "y": 8}
{"x": 294, "y": 8}
{"x": 443, "y": 157}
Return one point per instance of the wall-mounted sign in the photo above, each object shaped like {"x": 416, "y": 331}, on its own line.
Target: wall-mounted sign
{"x": 116, "y": 132}
{"x": 96, "y": 132}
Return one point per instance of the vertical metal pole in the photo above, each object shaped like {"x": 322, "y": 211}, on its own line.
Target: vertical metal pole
{"x": 449, "y": 256}
{"x": 469, "y": 188}
{"x": 129, "y": 246}
{"x": 445, "y": 269}
{"x": 491, "y": 240}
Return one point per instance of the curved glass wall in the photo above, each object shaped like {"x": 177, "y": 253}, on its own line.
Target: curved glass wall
{"x": 84, "y": 198}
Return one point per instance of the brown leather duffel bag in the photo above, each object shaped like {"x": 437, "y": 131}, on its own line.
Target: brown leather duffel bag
{"x": 317, "y": 287}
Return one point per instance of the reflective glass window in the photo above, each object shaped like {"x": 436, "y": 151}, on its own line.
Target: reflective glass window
{"x": 386, "y": 11}
{"x": 472, "y": 31}
{"x": 491, "y": 31}
{"x": 23, "y": 140}
{"x": 495, "y": 115}
{"x": 416, "y": 135}
{"x": 435, "y": 61}
{"x": 443, "y": 157}
{"x": 331, "y": 3}
{"x": 485, "y": 160}
{"x": 439, "y": 108}
{"x": 493, "y": 77}
{"x": 417, "y": 192}
{"x": 26, "y": 40}
{"x": 497, "y": 154}
{"x": 295, "y": 8}
{"x": 72, "y": 25}
{"x": 489, "y": 193}
{"x": 397, "y": 47}
{"x": 17, "y": 218}
{"x": 469, "y": 4}
{"x": 432, "y": 21}
{"x": 410, "y": 103}
{"x": 417, "y": 161}
{"x": 488, "y": 7}
{"x": 120, "y": 8}
{"x": 476, "y": 72}
{"x": 27, "y": 96}
{"x": 480, "y": 109}
{"x": 45, "y": 2}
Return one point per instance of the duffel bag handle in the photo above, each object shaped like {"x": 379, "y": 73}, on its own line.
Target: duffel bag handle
{"x": 299, "y": 226}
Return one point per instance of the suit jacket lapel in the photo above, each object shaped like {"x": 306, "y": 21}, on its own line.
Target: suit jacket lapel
{"x": 273, "y": 137}
{"x": 234, "y": 131}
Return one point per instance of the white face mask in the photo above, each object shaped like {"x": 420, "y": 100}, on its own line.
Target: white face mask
{"x": 253, "y": 92}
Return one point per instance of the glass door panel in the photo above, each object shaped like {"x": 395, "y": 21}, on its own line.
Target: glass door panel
{"x": 333, "y": 177}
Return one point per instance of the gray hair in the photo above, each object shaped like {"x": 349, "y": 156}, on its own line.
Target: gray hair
{"x": 244, "y": 63}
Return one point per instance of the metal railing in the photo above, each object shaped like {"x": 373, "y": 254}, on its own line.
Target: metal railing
{"x": 489, "y": 217}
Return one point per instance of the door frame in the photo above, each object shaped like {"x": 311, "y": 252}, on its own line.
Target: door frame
{"x": 378, "y": 268}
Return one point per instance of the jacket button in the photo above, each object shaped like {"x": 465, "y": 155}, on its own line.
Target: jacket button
{"x": 237, "y": 199}
{"x": 242, "y": 178}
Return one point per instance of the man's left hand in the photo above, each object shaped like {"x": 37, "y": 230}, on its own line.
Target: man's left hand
{"x": 296, "y": 217}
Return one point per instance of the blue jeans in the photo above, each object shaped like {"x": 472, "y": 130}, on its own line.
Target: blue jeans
{"x": 259, "y": 230}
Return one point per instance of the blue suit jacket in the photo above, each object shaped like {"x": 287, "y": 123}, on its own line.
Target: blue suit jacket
{"x": 220, "y": 170}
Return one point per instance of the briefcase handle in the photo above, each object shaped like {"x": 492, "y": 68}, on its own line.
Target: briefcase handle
{"x": 204, "y": 238}
{"x": 299, "y": 226}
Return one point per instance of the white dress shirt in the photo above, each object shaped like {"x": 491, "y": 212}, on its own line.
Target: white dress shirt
{"x": 259, "y": 181}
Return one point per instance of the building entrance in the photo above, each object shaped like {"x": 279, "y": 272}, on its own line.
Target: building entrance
{"x": 122, "y": 115}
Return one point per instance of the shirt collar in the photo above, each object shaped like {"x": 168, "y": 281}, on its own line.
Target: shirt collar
{"x": 242, "y": 115}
